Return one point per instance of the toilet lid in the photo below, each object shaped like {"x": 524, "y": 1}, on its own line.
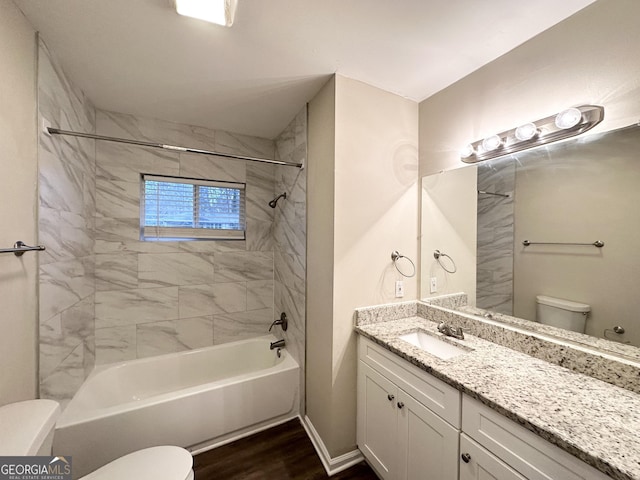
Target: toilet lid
{"x": 155, "y": 463}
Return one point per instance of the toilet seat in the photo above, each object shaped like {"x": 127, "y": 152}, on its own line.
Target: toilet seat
{"x": 155, "y": 463}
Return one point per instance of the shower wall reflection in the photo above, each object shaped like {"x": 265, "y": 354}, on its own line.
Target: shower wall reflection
{"x": 494, "y": 274}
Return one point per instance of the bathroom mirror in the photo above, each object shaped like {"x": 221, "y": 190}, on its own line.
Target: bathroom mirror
{"x": 556, "y": 197}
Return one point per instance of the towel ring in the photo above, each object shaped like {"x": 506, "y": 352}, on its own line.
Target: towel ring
{"x": 437, "y": 254}
{"x": 395, "y": 256}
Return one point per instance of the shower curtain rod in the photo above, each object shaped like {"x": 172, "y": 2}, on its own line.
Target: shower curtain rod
{"x": 175, "y": 148}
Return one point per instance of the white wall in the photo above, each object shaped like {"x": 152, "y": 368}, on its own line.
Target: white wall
{"x": 589, "y": 58}
{"x": 375, "y": 200}
{"x": 449, "y": 208}
{"x": 18, "y": 162}
{"x": 320, "y": 206}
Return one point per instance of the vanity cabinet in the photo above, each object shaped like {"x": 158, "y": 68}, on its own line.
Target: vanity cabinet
{"x": 412, "y": 426}
{"x": 398, "y": 431}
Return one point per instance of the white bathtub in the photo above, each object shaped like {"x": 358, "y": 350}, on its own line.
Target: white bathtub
{"x": 187, "y": 399}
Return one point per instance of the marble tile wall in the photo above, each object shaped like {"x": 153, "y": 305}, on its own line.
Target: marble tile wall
{"x": 66, "y": 184}
{"x": 494, "y": 277}
{"x": 289, "y": 233}
{"x": 106, "y": 296}
{"x": 154, "y": 298}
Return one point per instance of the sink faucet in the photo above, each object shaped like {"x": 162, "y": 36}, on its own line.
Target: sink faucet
{"x": 276, "y": 344}
{"x": 450, "y": 331}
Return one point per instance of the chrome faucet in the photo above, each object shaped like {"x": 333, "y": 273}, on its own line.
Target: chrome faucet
{"x": 276, "y": 344}
{"x": 450, "y": 331}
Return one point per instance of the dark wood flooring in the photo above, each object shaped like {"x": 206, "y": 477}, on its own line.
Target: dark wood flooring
{"x": 280, "y": 453}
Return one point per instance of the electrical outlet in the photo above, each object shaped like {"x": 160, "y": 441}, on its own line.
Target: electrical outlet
{"x": 399, "y": 289}
{"x": 434, "y": 285}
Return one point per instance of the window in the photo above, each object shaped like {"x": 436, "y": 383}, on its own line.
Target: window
{"x": 175, "y": 208}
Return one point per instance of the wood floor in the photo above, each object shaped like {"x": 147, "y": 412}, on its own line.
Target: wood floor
{"x": 280, "y": 453}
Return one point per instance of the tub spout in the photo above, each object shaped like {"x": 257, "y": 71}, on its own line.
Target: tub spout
{"x": 276, "y": 344}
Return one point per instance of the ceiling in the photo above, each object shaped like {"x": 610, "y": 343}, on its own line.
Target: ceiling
{"x": 141, "y": 57}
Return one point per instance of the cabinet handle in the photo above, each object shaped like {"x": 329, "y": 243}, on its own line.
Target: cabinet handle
{"x": 400, "y": 404}
{"x": 465, "y": 457}
{"x": 391, "y": 396}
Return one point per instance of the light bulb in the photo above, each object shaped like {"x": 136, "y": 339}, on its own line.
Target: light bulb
{"x": 568, "y": 118}
{"x": 467, "y": 151}
{"x": 526, "y": 131}
{"x": 491, "y": 143}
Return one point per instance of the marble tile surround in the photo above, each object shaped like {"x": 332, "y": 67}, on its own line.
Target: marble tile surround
{"x": 289, "y": 236}
{"x": 161, "y": 297}
{"x": 106, "y": 296}
{"x": 66, "y": 206}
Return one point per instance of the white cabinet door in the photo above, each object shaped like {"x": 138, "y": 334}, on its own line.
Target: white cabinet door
{"x": 427, "y": 445}
{"x": 377, "y": 420}
{"x": 476, "y": 463}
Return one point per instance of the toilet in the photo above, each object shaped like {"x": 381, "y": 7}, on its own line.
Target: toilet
{"x": 27, "y": 428}
{"x": 561, "y": 313}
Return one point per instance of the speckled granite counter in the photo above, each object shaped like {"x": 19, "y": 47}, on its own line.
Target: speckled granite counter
{"x": 593, "y": 420}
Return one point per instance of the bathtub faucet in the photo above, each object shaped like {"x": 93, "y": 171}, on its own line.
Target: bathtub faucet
{"x": 282, "y": 321}
{"x": 276, "y": 344}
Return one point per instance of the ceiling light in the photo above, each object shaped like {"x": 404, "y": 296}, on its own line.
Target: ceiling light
{"x": 491, "y": 143}
{"x": 526, "y": 131}
{"x": 220, "y": 12}
{"x": 568, "y": 118}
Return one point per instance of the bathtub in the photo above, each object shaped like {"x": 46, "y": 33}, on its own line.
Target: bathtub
{"x": 190, "y": 399}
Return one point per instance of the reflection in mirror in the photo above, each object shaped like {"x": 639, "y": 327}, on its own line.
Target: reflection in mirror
{"x": 576, "y": 192}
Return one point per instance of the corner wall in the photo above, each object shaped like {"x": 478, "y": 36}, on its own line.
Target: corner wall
{"x": 368, "y": 179}
{"x": 18, "y": 203}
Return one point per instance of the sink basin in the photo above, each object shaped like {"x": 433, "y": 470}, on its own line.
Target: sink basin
{"x": 433, "y": 345}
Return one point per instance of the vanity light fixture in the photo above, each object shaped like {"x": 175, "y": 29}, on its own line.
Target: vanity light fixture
{"x": 220, "y": 12}
{"x": 568, "y": 123}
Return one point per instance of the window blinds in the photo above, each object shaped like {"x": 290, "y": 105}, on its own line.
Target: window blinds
{"x": 182, "y": 208}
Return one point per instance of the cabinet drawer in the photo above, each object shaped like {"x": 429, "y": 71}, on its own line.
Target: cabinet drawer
{"x": 440, "y": 398}
{"x": 482, "y": 465}
{"x": 526, "y": 452}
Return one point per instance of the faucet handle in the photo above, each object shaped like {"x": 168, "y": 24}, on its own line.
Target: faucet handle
{"x": 282, "y": 321}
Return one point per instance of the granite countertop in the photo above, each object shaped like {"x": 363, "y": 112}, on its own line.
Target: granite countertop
{"x": 596, "y": 422}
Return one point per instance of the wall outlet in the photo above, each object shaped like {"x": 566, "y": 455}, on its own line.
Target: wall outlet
{"x": 434, "y": 285}
{"x": 399, "y": 289}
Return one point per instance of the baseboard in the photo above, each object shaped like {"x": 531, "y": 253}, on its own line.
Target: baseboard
{"x": 331, "y": 465}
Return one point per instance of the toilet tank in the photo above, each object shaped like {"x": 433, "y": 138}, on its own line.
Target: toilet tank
{"x": 562, "y": 313}
{"x": 26, "y": 428}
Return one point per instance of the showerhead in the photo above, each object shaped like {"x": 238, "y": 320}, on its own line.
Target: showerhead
{"x": 274, "y": 202}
